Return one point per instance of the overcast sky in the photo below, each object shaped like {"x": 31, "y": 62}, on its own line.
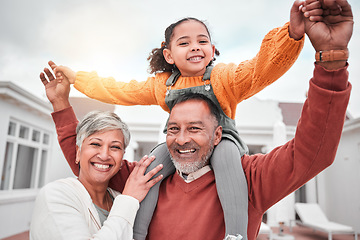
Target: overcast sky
{"x": 115, "y": 38}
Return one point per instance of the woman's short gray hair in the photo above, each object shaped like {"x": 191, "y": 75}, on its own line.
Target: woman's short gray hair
{"x": 97, "y": 121}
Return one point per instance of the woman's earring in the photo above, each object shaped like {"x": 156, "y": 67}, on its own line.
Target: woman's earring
{"x": 121, "y": 164}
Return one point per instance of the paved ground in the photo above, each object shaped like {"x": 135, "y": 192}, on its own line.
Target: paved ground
{"x": 300, "y": 233}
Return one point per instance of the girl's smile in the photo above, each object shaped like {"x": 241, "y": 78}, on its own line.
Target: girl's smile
{"x": 190, "y": 48}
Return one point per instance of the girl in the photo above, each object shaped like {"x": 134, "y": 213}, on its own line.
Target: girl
{"x": 184, "y": 62}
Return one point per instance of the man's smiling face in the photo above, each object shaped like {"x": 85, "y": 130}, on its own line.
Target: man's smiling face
{"x": 192, "y": 134}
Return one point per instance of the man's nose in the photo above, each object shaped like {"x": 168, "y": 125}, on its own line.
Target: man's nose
{"x": 182, "y": 138}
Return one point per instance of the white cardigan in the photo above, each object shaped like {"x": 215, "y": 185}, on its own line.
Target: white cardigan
{"x": 64, "y": 210}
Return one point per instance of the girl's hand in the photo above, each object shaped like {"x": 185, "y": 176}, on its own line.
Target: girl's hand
{"x": 138, "y": 184}
{"x": 62, "y": 72}
{"x": 301, "y": 9}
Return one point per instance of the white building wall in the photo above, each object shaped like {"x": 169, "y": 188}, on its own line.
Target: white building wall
{"x": 145, "y": 124}
{"x": 341, "y": 196}
{"x": 16, "y": 205}
{"x": 15, "y": 201}
{"x": 254, "y": 112}
{"x": 255, "y": 120}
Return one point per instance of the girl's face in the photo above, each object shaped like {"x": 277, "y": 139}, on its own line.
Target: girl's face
{"x": 190, "y": 48}
{"x": 100, "y": 157}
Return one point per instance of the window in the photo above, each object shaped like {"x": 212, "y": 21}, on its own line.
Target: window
{"x": 36, "y": 136}
{"x": 26, "y": 156}
{"x": 24, "y": 132}
{"x": 11, "y": 131}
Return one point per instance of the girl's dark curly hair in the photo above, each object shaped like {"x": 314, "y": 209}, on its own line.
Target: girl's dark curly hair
{"x": 156, "y": 57}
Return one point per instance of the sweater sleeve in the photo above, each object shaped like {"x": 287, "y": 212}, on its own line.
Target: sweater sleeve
{"x": 274, "y": 175}
{"x": 278, "y": 52}
{"x": 66, "y": 122}
{"x": 62, "y": 213}
{"x": 108, "y": 90}
{"x": 120, "y": 222}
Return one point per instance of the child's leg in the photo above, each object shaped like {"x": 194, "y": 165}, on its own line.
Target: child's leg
{"x": 147, "y": 206}
{"x": 231, "y": 186}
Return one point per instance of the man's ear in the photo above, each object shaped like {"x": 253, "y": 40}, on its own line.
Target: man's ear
{"x": 168, "y": 56}
{"x": 218, "y": 135}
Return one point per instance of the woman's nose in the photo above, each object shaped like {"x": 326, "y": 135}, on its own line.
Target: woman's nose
{"x": 103, "y": 154}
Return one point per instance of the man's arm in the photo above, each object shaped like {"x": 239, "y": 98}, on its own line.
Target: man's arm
{"x": 272, "y": 176}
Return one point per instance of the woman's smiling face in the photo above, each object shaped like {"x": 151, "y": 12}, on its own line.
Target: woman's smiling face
{"x": 100, "y": 157}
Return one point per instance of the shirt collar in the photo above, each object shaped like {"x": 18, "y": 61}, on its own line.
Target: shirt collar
{"x": 194, "y": 175}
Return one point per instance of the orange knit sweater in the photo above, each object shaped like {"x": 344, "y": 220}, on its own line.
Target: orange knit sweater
{"x": 231, "y": 83}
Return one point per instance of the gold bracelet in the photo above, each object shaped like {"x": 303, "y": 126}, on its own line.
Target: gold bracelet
{"x": 332, "y": 55}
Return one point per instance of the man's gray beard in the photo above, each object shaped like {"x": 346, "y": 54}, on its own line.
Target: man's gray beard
{"x": 190, "y": 167}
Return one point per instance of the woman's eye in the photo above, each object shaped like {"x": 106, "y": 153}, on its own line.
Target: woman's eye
{"x": 116, "y": 147}
{"x": 95, "y": 144}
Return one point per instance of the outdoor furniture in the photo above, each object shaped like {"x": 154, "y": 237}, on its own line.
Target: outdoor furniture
{"x": 312, "y": 216}
{"x": 265, "y": 229}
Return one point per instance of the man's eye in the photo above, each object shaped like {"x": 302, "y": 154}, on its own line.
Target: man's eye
{"x": 195, "y": 128}
{"x": 173, "y": 129}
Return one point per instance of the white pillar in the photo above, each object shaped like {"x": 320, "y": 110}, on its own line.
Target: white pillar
{"x": 284, "y": 210}
{"x": 130, "y": 151}
{"x": 311, "y": 191}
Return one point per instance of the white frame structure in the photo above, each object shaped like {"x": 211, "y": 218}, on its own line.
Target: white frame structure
{"x": 24, "y": 138}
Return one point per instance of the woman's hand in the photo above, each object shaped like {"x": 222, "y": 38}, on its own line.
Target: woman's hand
{"x": 63, "y": 72}
{"x": 138, "y": 184}
{"x": 57, "y": 91}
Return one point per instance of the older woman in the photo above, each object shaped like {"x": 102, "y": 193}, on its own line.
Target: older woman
{"x": 85, "y": 207}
